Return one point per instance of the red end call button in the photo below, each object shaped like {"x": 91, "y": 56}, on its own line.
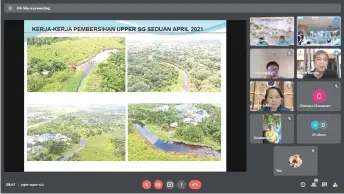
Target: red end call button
{"x": 158, "y": 184}
{"x": 195, "y": 184}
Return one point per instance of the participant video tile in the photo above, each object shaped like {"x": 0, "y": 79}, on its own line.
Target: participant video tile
{"x": 318, "y": 64}
{"x": 272, "y": 63}
{"x": 318, "y": 128}
{"x": 319, "y": 30}
{"x": 272, "y": 96}
{"x": 319, "y": 96}
{"x": 271, "y": 128}
{"x": 271, "y": 31}
{"x": 295, "y": 161}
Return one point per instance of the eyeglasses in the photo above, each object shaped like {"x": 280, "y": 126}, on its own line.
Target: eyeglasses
{"x": 272, "y": 69}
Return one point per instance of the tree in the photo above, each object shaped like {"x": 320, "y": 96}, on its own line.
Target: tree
{"x": 35, "y": 82}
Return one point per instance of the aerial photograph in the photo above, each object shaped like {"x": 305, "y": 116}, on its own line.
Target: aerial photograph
{"x": 174, "y": 132}
{"x": 76, "y": 64}
{"x": 174, "y": 65}
{"x": 76, "y": 132}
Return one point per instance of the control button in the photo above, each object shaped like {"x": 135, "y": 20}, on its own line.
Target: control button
{"x": 146, "y": 184}
{"x": 314, "y": 183}
{"x": 158, "y": 184}
{"x": 303, "y": 184}
{"x": 324, "y": 184}
{"x": 169, "y": 184}
{"x": 181, "y": 184}
{"x": 335, "y": 185}
{"x": 195, "y": 184}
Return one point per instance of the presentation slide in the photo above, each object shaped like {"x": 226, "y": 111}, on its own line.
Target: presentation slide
{"x": 125, "y": 95}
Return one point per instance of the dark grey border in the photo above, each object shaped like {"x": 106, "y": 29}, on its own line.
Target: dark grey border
{"x": 172, "y": 8}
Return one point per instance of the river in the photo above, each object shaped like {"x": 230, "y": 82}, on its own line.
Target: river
{"x": 87, "y": 66}
{"x": 171, "y": 146}
{"x": 186, "y": 82}
{"x": 185, "y": 73}
{"x": 186, "y": 76}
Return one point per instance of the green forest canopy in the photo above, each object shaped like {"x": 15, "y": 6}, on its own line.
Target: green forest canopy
{"x": 147, "y": 64}
{"x": 209, "y": 126}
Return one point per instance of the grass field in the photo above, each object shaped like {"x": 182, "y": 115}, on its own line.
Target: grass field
{"x": 75, "y": 51}
{"x": 69, "y": 83}
{"x": 100, "y": 148}
{"x": 140, "y": 150}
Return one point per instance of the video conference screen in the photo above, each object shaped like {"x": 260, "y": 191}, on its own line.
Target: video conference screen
{"x": 149, "y": 98}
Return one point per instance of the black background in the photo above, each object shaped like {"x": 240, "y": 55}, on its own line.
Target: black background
{"x": 12, "y": 105}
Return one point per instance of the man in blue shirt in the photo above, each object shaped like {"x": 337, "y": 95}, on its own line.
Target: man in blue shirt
{"x": 335, "y": 40}
{"x": 282, "y": 42}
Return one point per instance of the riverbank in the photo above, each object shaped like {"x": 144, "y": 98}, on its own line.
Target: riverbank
{"x": 170, "y": 136}
{"x": 106, "y": 74}
{"x": 139, "y": 149}
{"x": 62, "y": 81}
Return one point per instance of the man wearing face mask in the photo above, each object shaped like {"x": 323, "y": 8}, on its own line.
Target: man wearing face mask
{"x": 282, "y": 42}
{"x": 272, "y": 69}
{"x": 320, "y": 71}
{"x": 262, "y": 42}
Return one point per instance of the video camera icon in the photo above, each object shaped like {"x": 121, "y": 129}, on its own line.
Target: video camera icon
{"x": 316, "y": 125}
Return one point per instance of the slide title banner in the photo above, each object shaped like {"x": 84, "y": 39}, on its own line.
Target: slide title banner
{"x": 125, "y": 26}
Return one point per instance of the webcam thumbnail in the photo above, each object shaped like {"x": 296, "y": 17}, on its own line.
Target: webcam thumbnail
{"x": 318, "y": 64}
{"x": 315, "y": 31}
{"x": 271, "y": 31}
{"x": 272, "y": 96}
{"x": 272, "y": 128}
{"x": 272, "y": 63}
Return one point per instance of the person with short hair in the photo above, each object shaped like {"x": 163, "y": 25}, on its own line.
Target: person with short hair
{"x": 335, "y": 41}
{"x": 274, "y": 98}
{"x": 320, "y": 59}
{"x": 262, "y": 42}
{"x": 282, "y": 42}
{"x": 272, "y": 69}
{"x": 301, "y": 39}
